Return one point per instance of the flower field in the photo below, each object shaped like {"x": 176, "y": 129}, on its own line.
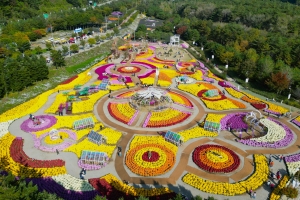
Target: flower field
{"x": 138, "y": 151}
{"x": 259, "y": 176}
{"x": 122, "y": 112}
{"x": 139, "y": 162}
{"x": 167, "y": 117}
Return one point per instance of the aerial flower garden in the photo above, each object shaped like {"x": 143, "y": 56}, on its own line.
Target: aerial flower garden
{"x": 153, "y": 120}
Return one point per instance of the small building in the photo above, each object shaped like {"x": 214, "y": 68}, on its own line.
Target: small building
{"x": 175, "y": 40}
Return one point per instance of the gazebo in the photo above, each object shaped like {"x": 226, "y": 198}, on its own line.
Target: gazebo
{"x": 151, "y": 99}
{"x": 212, "y": 126}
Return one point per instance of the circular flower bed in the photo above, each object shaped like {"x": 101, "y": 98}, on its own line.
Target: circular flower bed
{"x": 162, "y": 159}
{"x": 215, "y": 158}
{"x": 216, "y": 98}
{"x": 42, "y": 122}
{"x": 131, "y": 69}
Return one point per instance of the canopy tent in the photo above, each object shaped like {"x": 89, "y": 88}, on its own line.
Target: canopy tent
{"x": 94, "y": 157}
{"x": 78, "y": 30}
{"x": 173, "y": 137}
{"x": 151, "y": 92}
{"x": 95, "y": 137}
{"x": 212, "y": 126}
{"x": 84, "y": 123}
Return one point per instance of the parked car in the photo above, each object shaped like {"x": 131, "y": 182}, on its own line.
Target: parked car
{"x": 71, "y": 40}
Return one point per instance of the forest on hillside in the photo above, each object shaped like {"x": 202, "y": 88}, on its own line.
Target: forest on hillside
{"x": 257, "y": 39}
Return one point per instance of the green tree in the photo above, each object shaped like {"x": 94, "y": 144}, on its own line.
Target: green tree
{"x": 74, "y": 48}
{"x": 48, "y": 46}
{"x": 91, "y": 41}
{"x": 116, "y": 30}
{"x": 265, "y": 66}
{"x": 97, "y": 38}
{"x": 65, "y": 50}
{"x": 82, "y": 43}
{"x": 57, "y": 58}
{"x": 38, "y": 50}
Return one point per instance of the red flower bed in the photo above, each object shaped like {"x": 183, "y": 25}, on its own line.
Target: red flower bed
{"x": 105, "y": 189}
{"x": 259, "y": 106}
{"x": 69, "y": 80}
{"x": 19, "y": 156}
{"x": 154, "y": 156}
{"x": 125, "y": 70}
{"x": 188, "y": 73}
{"x": 201, "y": 95}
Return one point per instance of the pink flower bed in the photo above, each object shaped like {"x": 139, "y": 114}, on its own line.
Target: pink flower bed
{"x": 46, "y": 121}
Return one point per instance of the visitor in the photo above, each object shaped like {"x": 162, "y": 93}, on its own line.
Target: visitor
{"x": 271, "y": 163}
{"x": 272, "y": 186}
{"x": 278, "y": 175}
{"x": 280, "y": 158}
{"x": 57, "y": 152}
{"x": 269, "y": 183}
{"x": 254, "y": 195}
{"x": 57, "y": 91}
{"x": 30, "y": 116}
{"x": 251, "y": 192}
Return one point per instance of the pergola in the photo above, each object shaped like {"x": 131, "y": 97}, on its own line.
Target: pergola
{"x": 84, "y": 123}
{"x": 95, "y": 137}
{"x": 212, "y": 126}
{"x": 173, "y": 137}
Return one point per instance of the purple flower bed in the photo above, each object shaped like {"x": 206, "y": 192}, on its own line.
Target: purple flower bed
{"x": 203, "y": 66}
{"x": 234, "y": 123}
{"x": 279, "y": 144}
{"x": 223, "y": 84}
{"x": 50, "y": 186}
{"x": 46, "y": 122}
{"x": 133, "y": 117}
{"x": 292, "y": 158}
{"x": 147, "y": 119}
{"x": 272, "y": 112}
{"x": 102, "y": 69}
{"x": 296, "y": 122}
{"x": 210, "y": 80}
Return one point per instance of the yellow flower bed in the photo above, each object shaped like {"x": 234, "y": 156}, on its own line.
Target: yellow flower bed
{"x": 214, "y": 117}
{"x": 26, "y": 108}
{"x": 119, "y": 185}
{"x": 149, "y": 80}
{"x": 84, "y": 132}
{"x": 164, "y": 83}
{"x": 87, "y": 145}
{"x": 259, "y": 176}
{"x": 111, "y": 135}
{"x": 211, "y": 75}
{"x": 119, "y": 87}
{"x": 60, "y": 98}
{"x": 82, "y": 79}
{"x": 8, "y": 164}
{"x": 197, "y": 75}
{"x": 66, "y": 122}
{"x": 57, "y": 141}
{"x": 169, "y": 72}
{"x": 140, "y": 140}
{"x": 156, "y": 64}
{"x": 180, "y": 99}
{"x": 196, "y": 132}
{"x": 251, "y": 96}
{"x": 168, "y": 116}
{"x": 224, "y": 104}
{"x": 192, "y": 88}
{"x": 88, "y": 105}
{"x": 281, "y": 185}
{"x": 234, "y": 93}
{"x": 276, "y": 108}
{"x": 125, "y": 109}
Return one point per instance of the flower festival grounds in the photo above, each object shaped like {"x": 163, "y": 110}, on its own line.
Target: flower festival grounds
{"x": 155, "y": 123}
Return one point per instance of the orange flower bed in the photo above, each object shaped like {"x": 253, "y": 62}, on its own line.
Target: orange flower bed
{"x": 126, "y": 94}
{"x": 237, "y": 103}
{"x": 208, "y": 85}
{"x": 137, "y": 164}
{"x": 165, "y": 77}
{"x": 121, "y": 112}
{"x": 112, "y": 18}
{"x": 179, "y": 99}
{"x": 247, "y": 99}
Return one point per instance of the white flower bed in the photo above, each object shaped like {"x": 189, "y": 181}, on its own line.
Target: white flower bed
{"x": 71, "y": 183}
{"x": 275, "y": 132}
{"x": 4, "y": 127}
{"x": 293, "y": 167}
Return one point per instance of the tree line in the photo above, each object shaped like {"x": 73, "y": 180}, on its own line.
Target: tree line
{"x": 257, "y": 39}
